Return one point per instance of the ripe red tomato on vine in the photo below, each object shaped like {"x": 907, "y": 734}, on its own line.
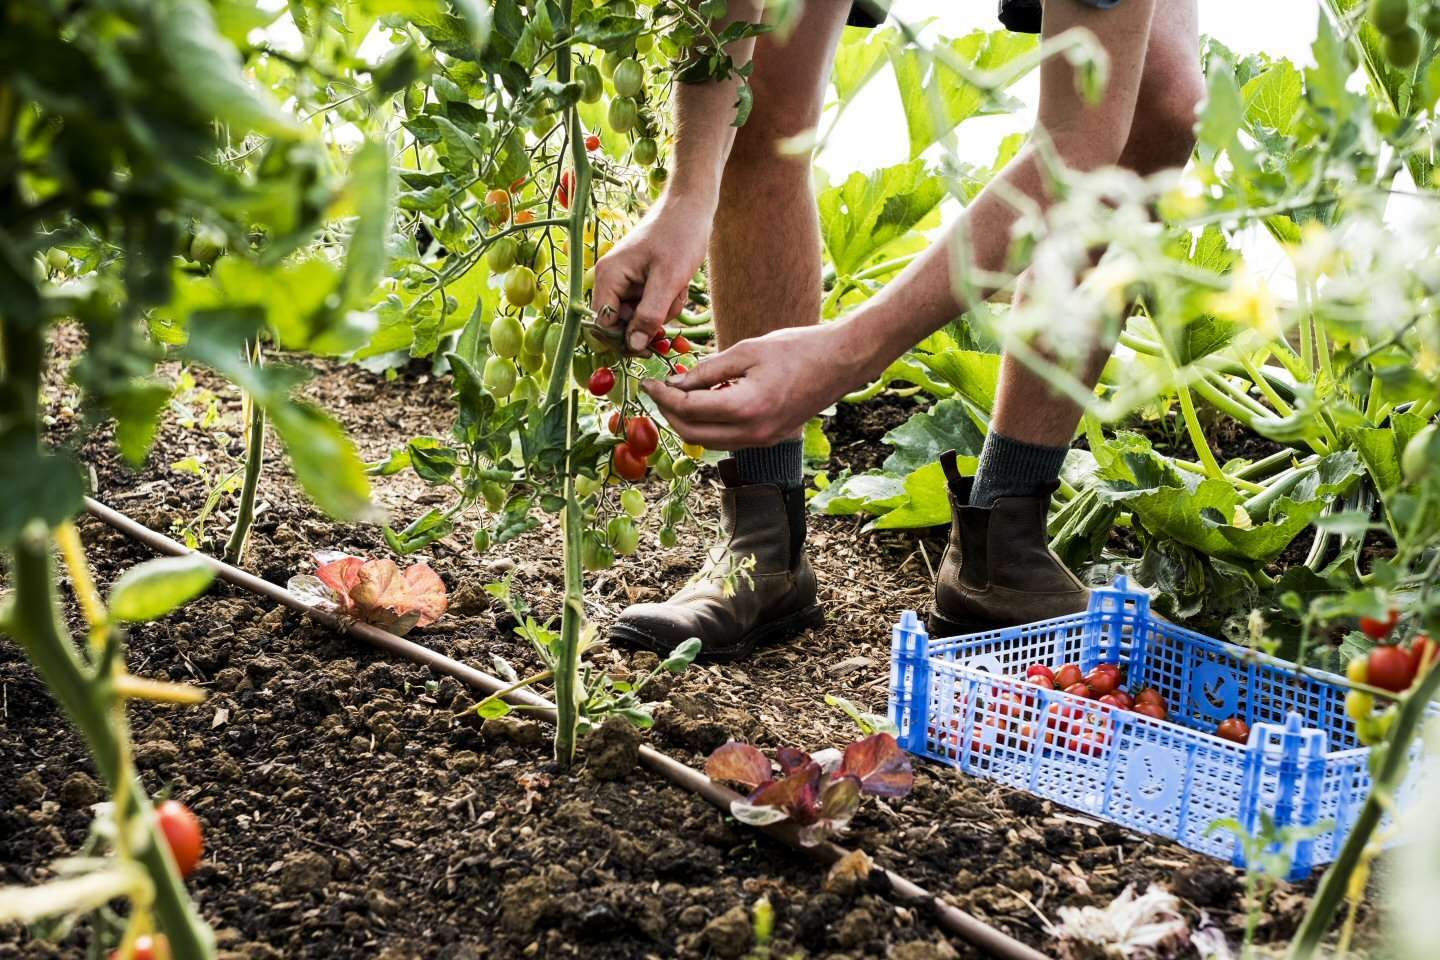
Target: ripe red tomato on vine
{"x": 1390, "y": 668}
{"x": 642, "y": 436}
{"x": 1377, "y": 629}
{"x": 592, "y": 142}
{"x": 680, "y": 344}
{"x": 182, "y": 833}
{"x": 602, "y": 381}
{"x": 628, "y": 463}
{"x": 564, "y": 188}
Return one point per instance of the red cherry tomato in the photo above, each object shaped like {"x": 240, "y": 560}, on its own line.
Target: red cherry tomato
{"x": 182, "y": 833}
{"x": 641, "y": 435}
{"x": 562, "y": 191}
{"x": 1234, "y": 729}
{"x": 1390, "y": 668}
{"x": 602, "y": 381}
{"x": 616, "y": 425}
{"x": 1116, "y": 700}
{"x": 660, "y": 345}
{"x": 1081, "y": 689}
{"x": 525, "y": 216}
{"x": 1039, "y": 670}
{"x": 516, "y": 184}
{"x": 592, "y": 142}
{"x": 148, "y": 948}
{"x": 1041, "y": 680}
{"x": 1424, "y": 653}
{"x": 1127, "y": 702}
{"x": 1091, "y": 742}
{"x": 680, "y": 344}
{"x": 1150, "y": 695}
{"x": 1103, "y": 681}
{"x": 1149, "y": 708}
{"x": 1379, "y": 629}
{"x": 1068, "y": 676}
{"x": 681, "y": 368}
{"x": 628, "y": 463}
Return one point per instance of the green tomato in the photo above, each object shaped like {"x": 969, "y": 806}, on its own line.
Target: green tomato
{"x": 482, "y": 540}
{"x": 1418, "y": 460}
{"x": 657, "y": 178}
{"x": 585, "y": 486}
{"x": 1390, "y": 16}
{"x": 581, "y": 366}
{"x": 668, "y": 537}
{"x": 595, "y": 554}
{"x": 206, "y": 245}
{"x": 608, "y": 62}
{"x": 506, "y": 337}
{"x": 685, "y": 466}
{"x": 56, "y": 259}
{"x": 629, "y": 78}
{"x": 520, "y": 286}
{"x": 646, "y": 152}
{"x": 495, "y": 496}
{"x": 1403, "y": 49}
{"x": 664, "y": 466}
{"x": 592, "y": 87}
{"x": 414, "y": 100}
{"x": 535, "y": 336}
{"x": 499, "y": 377}
{"x": 624, "y": 113}
{"x": 623, "y": 536}
{"x": 531, "y": 362}
{"x": 528, "y": 389}
{"x": 632, "y": 501}
{"x": 552, "y": 342}
{"x": 501, "y": 255}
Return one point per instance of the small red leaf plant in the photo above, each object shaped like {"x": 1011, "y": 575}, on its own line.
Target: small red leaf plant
{"x": 819, "y": 792}
{"x": 375, "y": 591}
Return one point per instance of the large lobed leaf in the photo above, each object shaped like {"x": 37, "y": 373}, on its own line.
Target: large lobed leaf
{"x": 862, "y": 215}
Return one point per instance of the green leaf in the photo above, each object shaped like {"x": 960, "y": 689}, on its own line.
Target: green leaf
{"x": 860, "y": 493}
{"x": 682, "y": 656}
{"x": 974, "y": 375}
{"x": 1274, "y": 98}
{"x": 929, "y": 433}
{"x": 860, "y": 56}
{"x": 369, "y": 191}
{"x": 816, "y": 445}
{"x": 858, "y": 218}
{"x": 154, "y": 588}
{"x": 137, "y": 416}
{"x": 927, "y": 501}
{"x": 936, "y": 98}
{"x": 38, "y": 486}
{"x": 324, "y": 459}
{"x": 493, "y": 708}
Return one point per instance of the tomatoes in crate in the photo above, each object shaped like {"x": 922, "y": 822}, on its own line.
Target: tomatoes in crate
{"x": 1103, "y": 679}
{"x": 1234, "y": 729}
{"x": 1068, "y": 676}
{"x": 1040, "y": 670}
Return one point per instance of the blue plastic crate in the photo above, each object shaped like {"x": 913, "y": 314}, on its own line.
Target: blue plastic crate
{"x": 964, "y": 701}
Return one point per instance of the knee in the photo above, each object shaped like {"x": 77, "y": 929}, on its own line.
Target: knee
{"x": 760, "y": 162}
{"x": 1164, "y": 127}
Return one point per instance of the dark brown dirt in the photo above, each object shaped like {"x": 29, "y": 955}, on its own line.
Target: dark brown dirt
{"x": 349, "y": 812}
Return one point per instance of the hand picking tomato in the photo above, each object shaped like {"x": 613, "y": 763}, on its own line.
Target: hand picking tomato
{"x": 1104, "y": 679}
{"x": 1233, "y": 729}
{"x": 1152, "y": 709}
{"x": 1040, "y": 670}
{"x": 641, "y": 435}
{"x": 602, "y": 381}
{"x": 628, "y": 463}
{"x": 1068, "y": 675}
{"x": 660, "y": 345}
{"x": 592, "y": 142}
{"x": 1379, "y": 629}
{"x": 1390, "y": 668}
{"x": 183, "y": 834}
{"x": 680, "y": 344}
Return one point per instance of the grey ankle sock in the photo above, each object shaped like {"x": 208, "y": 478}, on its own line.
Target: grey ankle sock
{"x": 1012, "y": 468}
{"x": 782, "y": 464}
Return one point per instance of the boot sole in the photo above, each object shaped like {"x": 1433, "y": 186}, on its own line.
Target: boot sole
{"x": 766, "y": 634}
{"x": 942, "y": 627}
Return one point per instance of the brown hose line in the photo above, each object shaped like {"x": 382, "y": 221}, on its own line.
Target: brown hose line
{"x": 956, "y": 921}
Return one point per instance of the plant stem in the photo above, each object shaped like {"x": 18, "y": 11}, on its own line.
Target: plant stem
{"x": 1334, "y": 884}
{"x": 254, "y": 463}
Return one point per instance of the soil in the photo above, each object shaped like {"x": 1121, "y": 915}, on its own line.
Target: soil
{"x": 352, "y": 811}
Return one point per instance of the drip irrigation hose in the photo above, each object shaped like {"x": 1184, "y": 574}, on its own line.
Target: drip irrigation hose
{"x": 963, "y": 925}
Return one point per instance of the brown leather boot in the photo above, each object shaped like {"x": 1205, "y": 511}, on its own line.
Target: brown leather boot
{"x": 777, "y": 602}
{"x": 998, "y": 569}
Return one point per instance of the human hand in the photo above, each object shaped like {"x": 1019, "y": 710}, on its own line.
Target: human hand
{"x": 772, "y": 385}
{"x": 643, "y": 283}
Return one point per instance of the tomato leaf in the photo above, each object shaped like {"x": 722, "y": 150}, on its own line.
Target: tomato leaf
{"x": 154, "y": 588}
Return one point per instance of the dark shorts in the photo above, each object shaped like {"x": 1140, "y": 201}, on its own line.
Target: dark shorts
{"x": 1021, "y": 16}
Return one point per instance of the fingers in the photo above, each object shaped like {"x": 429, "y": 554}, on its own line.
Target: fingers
{"x": 718, "y": 419}
{"x": 653, "y": 310}
{"x": 726, "y": 365}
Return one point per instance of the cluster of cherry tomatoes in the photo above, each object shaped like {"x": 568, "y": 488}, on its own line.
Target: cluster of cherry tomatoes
{"x": 1104, "y": 684}
{"x": 186, "y": 840}
{"x": 631, "y": 457}
{"x": 1390, "y": 667}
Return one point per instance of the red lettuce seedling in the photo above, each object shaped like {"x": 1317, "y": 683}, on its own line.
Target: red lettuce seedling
{"x": 375, "y": 591}
{"x": 820, "y": 793}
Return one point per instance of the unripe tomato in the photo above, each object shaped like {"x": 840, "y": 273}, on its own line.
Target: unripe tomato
{"x": 608, "y": 62}
{"x": 1403, "y": 49}
{"x": 182, "y": 834}
{"x": 414, "y": 100}
{"x": 552, "y": 341}
{"x": 628, "y": 463}
{"x": 668, "y": 537}
{"x": 581, "y": 366}
{"x": 632, "y": 501}
{"x": 1356, "y": 671}
{"x": 623, "y": 536}
{"x": 206, "y": 245}
{"x": 507, "y": 337}
{"x": 497, "y": 206}
{"x": 520, "y": 286}
{"x": 535, "y": 334}
{"x": 1067, "y": 676}
{"x": 585, "y": 486}
{"x": 681, "y": 345}
{"x": 623, "y": 114}
{"x": 595, "y": 554}
{"x": 57, "y": 259}
{"x": 1420, "y": 453}
{"x": 1390, "y": 16}
{"x": 1359, "y": 704}
{"x": 531, "y": 362}
{"x": 592, "y": 142}
{"x": 499, "y": 377}
{"x": 602, "y": 381}
{"x": 1390, "y": 668}
{"x": 663, "y": 465}
{"x": 646, "y": 152}
{"x": 525, "y": 216}
{"x": 692, "y": 449}
{"x": 591, "y": 84}
{"x": 1378, "y": 630}
{"x": 642, "y": 436}
{"x": 501, "y": 255}
{"x": 629, "y": 78}
{"x": 685, "y": 466}
{"x": 657, "y": 178}
{"x": 495, "y": 496}
{"x": 1234, "y": 729}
